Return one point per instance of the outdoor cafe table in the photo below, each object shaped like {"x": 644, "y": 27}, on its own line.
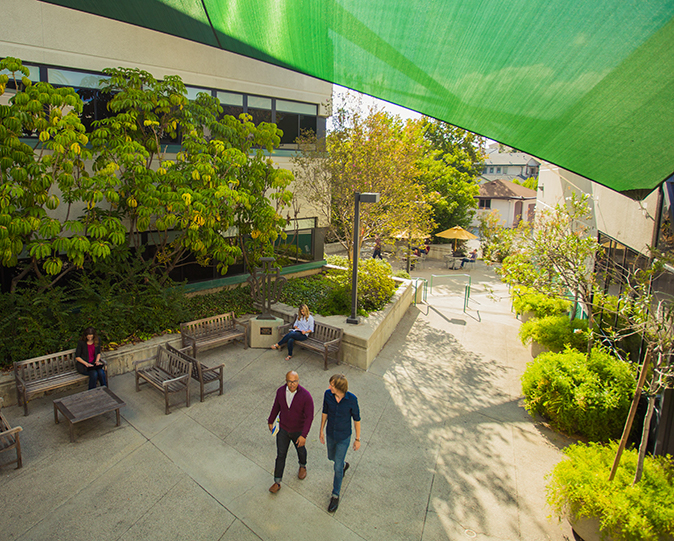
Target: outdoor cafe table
{"x": 86, "y": 405}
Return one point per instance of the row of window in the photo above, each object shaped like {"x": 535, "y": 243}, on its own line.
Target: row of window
{"x": 291, "y": 117}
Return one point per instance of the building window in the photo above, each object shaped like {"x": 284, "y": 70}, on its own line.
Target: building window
{"x": 193, "y": 92}
{"x": 232, "y": 104}
{"x": 505, "y": 170}
{"x": 498, "y": 169}
{"x": 485, "y": 203}
{"x": 293, "y": 117}
{"x": 491, "y": 170}
{"x": 87, "y": 86}
{"x": 259, "y": 108}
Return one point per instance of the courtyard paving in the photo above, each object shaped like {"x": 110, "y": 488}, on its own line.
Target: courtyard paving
{"x": 448, "y": 451}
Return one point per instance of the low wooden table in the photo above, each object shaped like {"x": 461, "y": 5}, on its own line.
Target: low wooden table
{"x": 86, "y": 405}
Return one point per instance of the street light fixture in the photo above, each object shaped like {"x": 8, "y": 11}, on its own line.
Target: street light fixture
{"x": 358, "y": 198}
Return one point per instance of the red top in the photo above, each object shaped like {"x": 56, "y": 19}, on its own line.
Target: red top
{"x": 92, "y": 353}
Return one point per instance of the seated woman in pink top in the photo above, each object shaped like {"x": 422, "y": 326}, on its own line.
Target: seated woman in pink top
{"x": 88, "y": 357}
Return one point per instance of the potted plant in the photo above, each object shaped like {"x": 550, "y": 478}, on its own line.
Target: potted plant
{"x": 590, "y": 397}
{"x": 529, "y": 304}
{"x": 579, "y": 490}
{"x": 554, "y": 333}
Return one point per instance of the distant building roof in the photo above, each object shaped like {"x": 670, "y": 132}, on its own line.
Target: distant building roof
{"x": 504, "y": 189}
{"x": 494, "y": 157}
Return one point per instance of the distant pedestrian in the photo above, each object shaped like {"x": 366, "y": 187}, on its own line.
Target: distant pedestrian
{"x": 339, "y": 407}
{"x": 295, "y": 408}
{"x": 377, "y": 248}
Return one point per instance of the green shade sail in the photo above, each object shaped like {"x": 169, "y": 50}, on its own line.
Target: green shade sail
{"x": 587, "y": 85}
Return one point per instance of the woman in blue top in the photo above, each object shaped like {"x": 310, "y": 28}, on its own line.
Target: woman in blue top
{"x": 302, "y": 328}
{"x": 339, "y": 408}
{"x": 88, "y": 358}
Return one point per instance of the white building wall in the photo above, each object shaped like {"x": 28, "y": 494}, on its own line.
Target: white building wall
{"x": 630, "y": 222}
{"x": 42, "y": 33}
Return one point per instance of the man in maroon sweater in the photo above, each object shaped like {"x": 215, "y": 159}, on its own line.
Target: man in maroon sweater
{"x": 296, "y": 408}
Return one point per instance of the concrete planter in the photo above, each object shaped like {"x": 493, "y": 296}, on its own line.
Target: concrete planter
{"x": 587, "y": 529}
{"x": 537, "y": 349}
{"x": 360, "y": 345}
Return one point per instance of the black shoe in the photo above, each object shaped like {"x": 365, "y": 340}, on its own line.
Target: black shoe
{"x": 346, "y": 466}
{"x": 334, "y": 504}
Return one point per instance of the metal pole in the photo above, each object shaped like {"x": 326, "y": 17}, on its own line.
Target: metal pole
{"x": 353, "y": 319}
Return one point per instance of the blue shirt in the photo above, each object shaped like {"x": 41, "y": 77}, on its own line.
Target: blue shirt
{"x": 340, "y": 414}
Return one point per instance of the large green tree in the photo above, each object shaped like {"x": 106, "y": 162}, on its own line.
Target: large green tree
{"x": 451, "y": 168}
{"x": 50, "y": 173}
{"x": 371, "y": 151}
{"x": 219, "y": 179}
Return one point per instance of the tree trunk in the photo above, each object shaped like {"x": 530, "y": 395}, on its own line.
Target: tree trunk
{"x": 644, "y": 439}
{"x": 632, "y": 413}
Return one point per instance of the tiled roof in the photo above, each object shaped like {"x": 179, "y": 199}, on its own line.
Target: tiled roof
{"x": 504, "y": 189}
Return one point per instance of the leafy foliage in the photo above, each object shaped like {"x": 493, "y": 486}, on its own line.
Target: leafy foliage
{"x": 330, "y": 294}
{"x": 36, "y": 322}
{"x": 580, "y": 395}
{"x": 351, "y": 160}
{"x": 450, "y": 169}
{"x": 644, "y": 511}
{"x": 526, "y": 300}
{"x": 36, "y": 181}
{"x": 556, "y": 332}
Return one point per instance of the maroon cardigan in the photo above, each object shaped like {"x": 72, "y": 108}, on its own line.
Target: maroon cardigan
{"x": 300, "y": 415}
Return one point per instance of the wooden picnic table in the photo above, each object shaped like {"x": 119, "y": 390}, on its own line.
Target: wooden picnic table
{"x": 86, "y": 405}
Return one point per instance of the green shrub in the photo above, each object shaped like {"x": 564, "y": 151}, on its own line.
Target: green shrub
{"x": 401, "y": 274}
{"x": 330, "y": 294}
{"x": 579, "y": 486}
{"x": 540, "y": 304}
{"x": 556, "y": 332}
{"x": 580, "y": 396}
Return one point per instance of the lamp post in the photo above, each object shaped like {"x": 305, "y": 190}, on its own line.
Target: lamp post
{"x": 358, "y": 198}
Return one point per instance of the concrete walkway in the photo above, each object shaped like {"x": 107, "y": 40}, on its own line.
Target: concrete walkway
{"x": 448, "y": 451}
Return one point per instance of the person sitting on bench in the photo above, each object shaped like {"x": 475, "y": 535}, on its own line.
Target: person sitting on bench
{"x": 471, "y": 259}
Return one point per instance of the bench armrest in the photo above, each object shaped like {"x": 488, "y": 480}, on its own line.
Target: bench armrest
{"x": 284, "y": 328}
{"x": 212, "y": 368}
{"x": 149, "y": 360}
{"x": 11, "y": 431}
{"x": 331, "y": 342}
{"x": 19, "y": 380}
{"x": 168, "y": 382}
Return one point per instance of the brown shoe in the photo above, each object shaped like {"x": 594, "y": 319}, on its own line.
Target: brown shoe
{"x": 274, "y": 488}
{"x": 302, "y": 473}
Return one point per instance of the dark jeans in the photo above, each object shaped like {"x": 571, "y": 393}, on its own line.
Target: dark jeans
{"x": 96, "y": 374}
{"x": 377, "y": 254}
{"x": 290, "y": 338}
{"x": 337, "y": 453}
{"x": 283, "y": 439}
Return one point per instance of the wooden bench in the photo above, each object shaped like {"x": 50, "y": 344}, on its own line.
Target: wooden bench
{"x": 9, "y": 439}
{"x": 202, "y": 373}
{"x": 325, "y": 340}
{"x": 46, "y": 373}
{"x": 213, "y": 330}
{"x": 166, "y": 372}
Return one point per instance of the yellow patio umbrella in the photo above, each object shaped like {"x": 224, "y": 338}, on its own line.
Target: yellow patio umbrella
{"x": 457, "y": 233}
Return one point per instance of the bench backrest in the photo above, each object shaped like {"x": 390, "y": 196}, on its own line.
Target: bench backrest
{"x": 196, "y": 365}
{"x": 40, "y": 368}
{"x": 209, "y": 325}
{"x": 171, "y": 363}
{"x": 326, "y": 333}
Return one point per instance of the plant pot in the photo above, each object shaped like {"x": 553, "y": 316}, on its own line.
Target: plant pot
{"x": 587, "y": 529}
{"x": 537, "y": 349}
{"x": 526, "y": 316}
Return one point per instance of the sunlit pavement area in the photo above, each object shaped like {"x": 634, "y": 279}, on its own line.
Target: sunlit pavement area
{"x": 448, "y": 451}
